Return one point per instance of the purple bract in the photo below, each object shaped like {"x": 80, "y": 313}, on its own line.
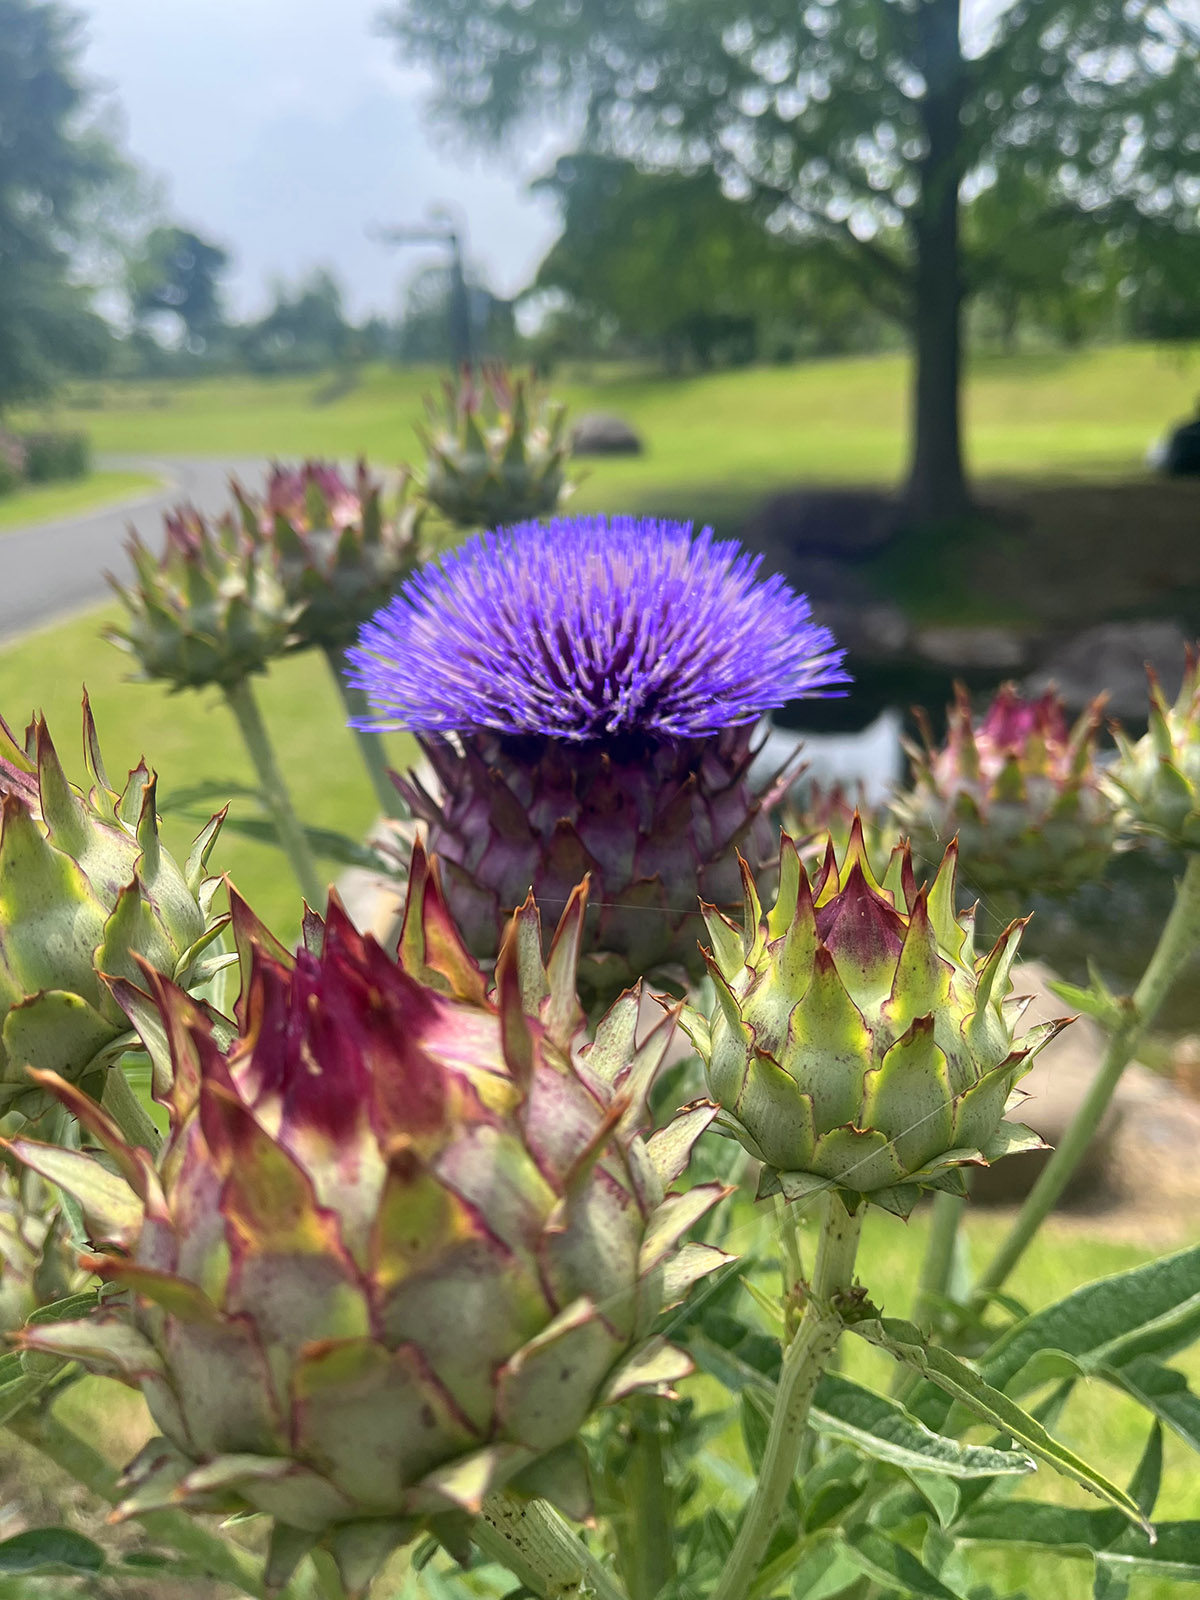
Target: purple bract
{"x": 587, "y": 628}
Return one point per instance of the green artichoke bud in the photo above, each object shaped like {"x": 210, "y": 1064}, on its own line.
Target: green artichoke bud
{"x": 1157, "y": 777}
{"x": 338, "y": 558}
{"x": 86, "y": 887}
{"x": 210, "y": 610}
{"x": 496, "y": 451}
{"x": 855, "y": 1040}
{"x": 1021, "y": 790}
{"x": 828, "y": 812}
{"x": 401, "y": 1240}
{"x": 39, "y": 1265}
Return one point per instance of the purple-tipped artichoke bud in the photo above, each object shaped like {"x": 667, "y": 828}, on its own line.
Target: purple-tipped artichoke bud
{"x": 496, "y": 451}
{"x": 39, "y": 1263}
{"x": 855, "y": 1041}
{"x": 338, "y": 552}
{"x": 86, "y": 887}
{"x": 1156, "y": 779}
{"x": 402, "y": 1239}
{"x": 1022, "y": 791}
{"x": 209, "y": 610}
{"x": 585, "y": 694}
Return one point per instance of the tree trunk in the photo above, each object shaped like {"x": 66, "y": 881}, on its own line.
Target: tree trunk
{"x": 937, "y": 486}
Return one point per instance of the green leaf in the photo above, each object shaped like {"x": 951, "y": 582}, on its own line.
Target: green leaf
{"x": 1147, "y": 1477}
{"x": 961, "y": 1382}
{"x": 823, "y": 1572}
{"x": 1175, "y": 1552}
{"x": 47, "y": 1551}
{"x": 882, "y": 1429}
{"x": 1109, "y": 1581}
{"x": 1164, "y": 1393}
{"x": 892, "y": 1566}
{"x": 1151, "y": 1310}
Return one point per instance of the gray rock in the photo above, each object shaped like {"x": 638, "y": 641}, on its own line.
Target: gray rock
{"x": 1112, "y": 658}
{"x": 848, "y": 524}
{"x": 599, "y": 433}
{"x": 970, "y": 649}
{"x": 1048, "y": 1097}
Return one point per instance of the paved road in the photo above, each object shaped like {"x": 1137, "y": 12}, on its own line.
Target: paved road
{"x": 58, "y": 567}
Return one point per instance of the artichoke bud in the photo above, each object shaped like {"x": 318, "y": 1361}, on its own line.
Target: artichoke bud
{"x": 1157, "y": 778}
{"x": 86, "y": 887}
{"x": 210, "y": 610}
{"x": 855, "y": 1041}
{"x": 337, "y": 555}
{"x": 496, "y": 451}
{"x": 402, "y": 1238}
{"x": 1021, "y": 790}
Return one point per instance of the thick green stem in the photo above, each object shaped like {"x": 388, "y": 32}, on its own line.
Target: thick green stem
{"x": 1178, "y": 941}
{"x": 127, "y": 1111}
{"x": 647, "y": 1526}
{"x": 945, "y": 1219}
{"x": 274, "y": 791}
{"x": 804, "y": 1360}
{"x": 370, "y": 745}
{"x": 540, "y": 1549}
{"x": 219, "y": 1557}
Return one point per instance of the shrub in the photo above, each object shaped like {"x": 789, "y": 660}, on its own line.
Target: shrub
{"x": 50, "y": 456}
{"x": 12, "y": 462}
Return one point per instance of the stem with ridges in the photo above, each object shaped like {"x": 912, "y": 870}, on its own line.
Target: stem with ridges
{"x": 1177, "y": 942}
{"x": 539, "y": 1548}
{"x": 370, "y": 745}
{"x": 288, "y": 830}
{"x": 804, "y": 1360}
{"x": 648, "y": 1526}
{"x": 127, "y": 1111}
{"x": 219, "y": 1557}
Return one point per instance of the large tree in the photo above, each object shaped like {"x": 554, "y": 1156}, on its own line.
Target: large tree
{"x": 179, "y": 272}
{"x": 54, "y": 160}
{"x": 868, "y": 123}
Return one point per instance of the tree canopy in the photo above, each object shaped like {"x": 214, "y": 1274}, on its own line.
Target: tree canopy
{"x": 866, "y": 124}
{"x": 53, "y": 159}
{"x": 177, "y": 271}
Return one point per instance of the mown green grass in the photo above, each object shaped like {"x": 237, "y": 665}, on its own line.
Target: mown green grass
{"x": 711, "y": 440}
{"x": 192, "y": 740}
{"x": 47, "y": 502}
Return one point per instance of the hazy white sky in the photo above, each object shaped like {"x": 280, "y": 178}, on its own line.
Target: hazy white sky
{"x": 282, "y": 127}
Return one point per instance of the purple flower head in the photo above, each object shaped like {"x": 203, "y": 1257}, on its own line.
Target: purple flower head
{"x": 590, "y": 628}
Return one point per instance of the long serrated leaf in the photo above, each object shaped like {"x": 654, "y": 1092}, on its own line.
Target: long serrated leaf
{"x": 42, "y": 1552}
{"x": 1163, "y": 1392}
{"x": 963, "y": 1383}
{"x": 881, "y": 1428}
{"x": 892, "y": 1566}
{"x": 1151, "y": 1310}
{"x": 1174, "y": 1552}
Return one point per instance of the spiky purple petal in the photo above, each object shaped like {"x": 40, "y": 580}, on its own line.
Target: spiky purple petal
{"x": 591, "y": 627}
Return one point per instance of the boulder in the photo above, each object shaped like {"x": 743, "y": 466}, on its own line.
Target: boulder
{"x": 1048, "y": 1097}
{"x": 1181, "y": 455}
{"x": 1112, "y": 657}
{"x": 848, "y": 524}
{"x": 972, "y": 649}
{"x": 599, "y": 433}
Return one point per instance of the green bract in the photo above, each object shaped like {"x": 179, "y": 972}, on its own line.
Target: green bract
{"x": 85, "y": 888}
{"x": 38, "y": 1263}
{"x": 855, "y": 1039}
{"x": 400, "y": 1242}
{"x": 210, "y": 610}
{"x": 496, "y": 452}
{"x": 1020, "y": 789}
{"x": 336, "y": 555}
{"x": 1157, "y": 777}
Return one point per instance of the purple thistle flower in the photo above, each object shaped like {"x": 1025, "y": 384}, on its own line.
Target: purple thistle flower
{"x": 588, "y": 628}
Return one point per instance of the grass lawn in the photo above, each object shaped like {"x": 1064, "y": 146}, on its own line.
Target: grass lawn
{"x": 710, "y": 439}
{"x": 47, "y": 502}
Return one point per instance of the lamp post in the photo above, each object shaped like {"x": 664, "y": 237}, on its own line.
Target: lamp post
{"x": 442, "y": 229}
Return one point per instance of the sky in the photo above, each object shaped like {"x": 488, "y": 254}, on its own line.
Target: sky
{"x": 283, "y": 128}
